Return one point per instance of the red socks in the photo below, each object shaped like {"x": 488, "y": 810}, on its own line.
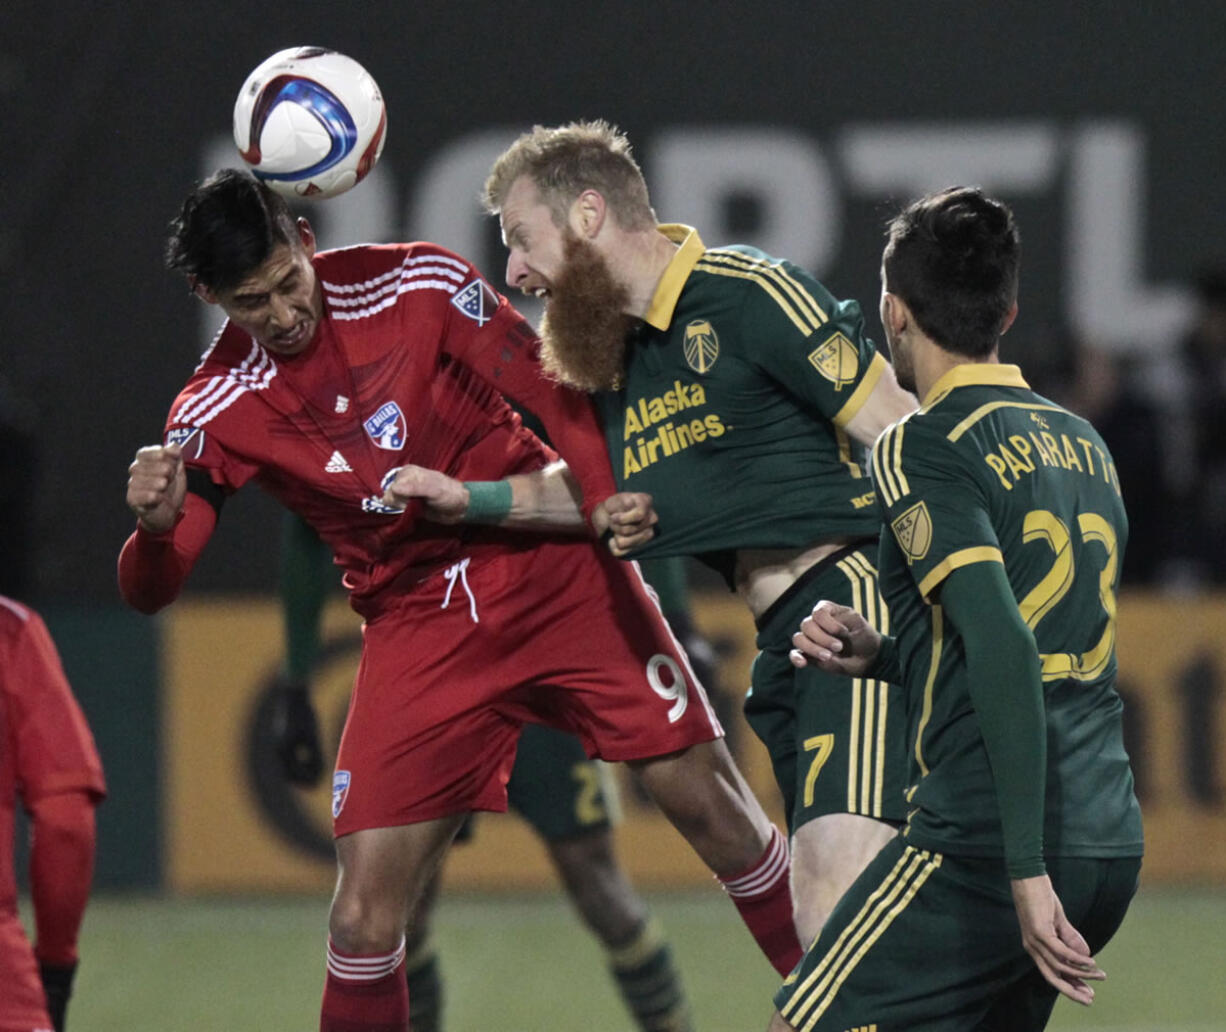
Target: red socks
{"x": 763, "y": 896}
{"x": 365, "y": 992}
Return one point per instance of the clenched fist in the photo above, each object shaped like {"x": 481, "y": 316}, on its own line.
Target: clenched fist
{"x": 157, "y": 485}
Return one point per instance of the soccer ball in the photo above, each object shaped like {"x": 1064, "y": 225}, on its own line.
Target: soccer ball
{"x": 310, "y": 122}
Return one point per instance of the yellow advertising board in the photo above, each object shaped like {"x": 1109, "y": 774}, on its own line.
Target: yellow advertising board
{"x": 233, "y": 824}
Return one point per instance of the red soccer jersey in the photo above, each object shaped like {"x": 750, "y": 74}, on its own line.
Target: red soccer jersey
{"x": 409, "y": 365}
{"x": 45, "y": 747}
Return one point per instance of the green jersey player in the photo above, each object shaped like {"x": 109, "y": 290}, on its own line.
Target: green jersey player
{"x": 1000, "y": 562}
{"x": 736, "y": 391}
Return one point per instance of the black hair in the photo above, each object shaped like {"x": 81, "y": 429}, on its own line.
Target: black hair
{"x": 228, "y": 226}
{"x": 953, "y": 258}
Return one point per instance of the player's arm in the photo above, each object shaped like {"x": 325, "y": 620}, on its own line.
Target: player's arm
{"x": 1006, "y": 688}
{"x": 544, "y": 500}
{"x": 176, "y": 512}
{"x": 886, "y": 403}
{"x": 504, "y": 350}
{"x": 837, "y": 639}
{"x": 62, "y": 841}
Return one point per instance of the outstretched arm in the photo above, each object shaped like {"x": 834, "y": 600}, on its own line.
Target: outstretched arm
{"x": 545, "y": 500}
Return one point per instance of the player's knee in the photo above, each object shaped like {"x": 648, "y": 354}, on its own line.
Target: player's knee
{"x": 358, "y": 925}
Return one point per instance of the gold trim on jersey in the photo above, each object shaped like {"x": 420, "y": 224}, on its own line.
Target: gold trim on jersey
{"x": 689, "y": 250}
{"x": 992, "y": 406}
{"x": 934, "y": 664}
{"x": 814, "y": 995}
{"x": 965, "y": 557}
{"x": 887, "y": 462}
{"x": 863, "y": 389}
{"x": 870, "y": 698}
{"x": 974, "y": 374}
{"x": 799, "y": 305}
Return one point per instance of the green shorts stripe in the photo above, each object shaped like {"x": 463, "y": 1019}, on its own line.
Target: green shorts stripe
{"x": 816, "y": 991}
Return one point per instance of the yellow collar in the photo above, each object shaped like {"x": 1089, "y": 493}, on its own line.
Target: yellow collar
{"x": 690, "y": 249}
{"x": 975, "y": 374}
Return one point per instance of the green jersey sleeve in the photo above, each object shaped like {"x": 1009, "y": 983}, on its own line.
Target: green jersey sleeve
{"x": 931, "y": 503}
{"x": 809, "y": 341}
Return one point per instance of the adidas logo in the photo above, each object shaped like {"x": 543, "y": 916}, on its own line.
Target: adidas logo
{"x": 337, "y": 464}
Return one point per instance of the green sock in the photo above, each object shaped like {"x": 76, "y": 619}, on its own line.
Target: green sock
{"x": 425, "y": 991}
{"x": 649, "y": 982}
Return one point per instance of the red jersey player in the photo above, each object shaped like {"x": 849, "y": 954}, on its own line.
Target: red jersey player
{"x": 48, "y": 760}
{"x": 334, "y": 372}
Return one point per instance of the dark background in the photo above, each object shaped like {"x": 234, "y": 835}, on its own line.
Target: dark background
{"x": 108, "y": 109}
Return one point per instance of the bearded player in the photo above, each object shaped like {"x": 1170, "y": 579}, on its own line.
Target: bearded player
{"x": 335, "y": 373}
{"x": 736, "y": 391}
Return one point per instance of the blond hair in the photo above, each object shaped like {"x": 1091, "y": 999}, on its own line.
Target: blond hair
{"x": 565, "y": 160}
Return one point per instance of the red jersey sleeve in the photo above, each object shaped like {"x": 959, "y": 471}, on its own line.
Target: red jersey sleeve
{"x": 488, "y": 335}
{"x": 55, "y": 749}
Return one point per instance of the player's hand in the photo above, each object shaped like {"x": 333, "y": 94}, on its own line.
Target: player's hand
{"x": 444, "y": 499}
{"x": 836, "y": 639}
{"x": 157, "y": 485}
{"x": 628, "y": 518}
{"x": 295, "y": 735}
{"x": 57, "y": 988}
{"x": 1062, "y": 955}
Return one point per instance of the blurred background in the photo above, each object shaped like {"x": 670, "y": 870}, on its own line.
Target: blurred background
{"x": 797, "y": 127}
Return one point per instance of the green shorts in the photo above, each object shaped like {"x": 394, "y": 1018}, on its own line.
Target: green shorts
{"x": 837, "y": 745}
{"x": 555, "y": 787}
{"x": 930, "y": 942}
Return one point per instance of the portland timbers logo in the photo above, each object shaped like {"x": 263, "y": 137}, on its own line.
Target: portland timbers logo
{"x": 837, "y": 360}
{"x": 913, "y": 532}
{"x": 701, "y": 345}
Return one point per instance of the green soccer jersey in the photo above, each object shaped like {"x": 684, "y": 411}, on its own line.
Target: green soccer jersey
{"x": 736, "y": 390}
{"x": 988, "y": 471}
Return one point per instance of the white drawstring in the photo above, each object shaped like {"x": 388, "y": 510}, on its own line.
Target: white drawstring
{"x": 457, "y": 571}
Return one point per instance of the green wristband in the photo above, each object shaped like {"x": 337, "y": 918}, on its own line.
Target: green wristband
{"x": 489, "y": 501}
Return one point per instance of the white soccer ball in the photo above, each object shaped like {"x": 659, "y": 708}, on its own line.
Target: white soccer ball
{"x": 310, "y": 122}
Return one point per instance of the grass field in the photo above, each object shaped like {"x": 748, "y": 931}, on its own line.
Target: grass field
{"x": 522, "y": 964}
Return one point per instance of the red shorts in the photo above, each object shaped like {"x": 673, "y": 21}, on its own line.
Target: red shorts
{"x": 562, "y": 634}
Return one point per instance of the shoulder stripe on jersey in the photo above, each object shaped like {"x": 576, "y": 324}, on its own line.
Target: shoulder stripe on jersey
{"x": 408, "y": 264}
{"x": 254, "y": 373}
{"x": 16, "y": 609}
{"x": 887, "y": 464}
{"x": 991, "y": 406}
{"x": 382, "y": 292}
{"x": 813, "y": 997}
{"x": 805, "y": 321}
{"x": 776, "y": 271}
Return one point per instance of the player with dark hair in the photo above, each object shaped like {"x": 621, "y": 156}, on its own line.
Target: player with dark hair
{"x": 737, "y": 392}
{"x": 1000, "y": 566}
{"x": 49, "y": 762}
{"x": 554, "y": 786}
{"x": 335, "y": 374}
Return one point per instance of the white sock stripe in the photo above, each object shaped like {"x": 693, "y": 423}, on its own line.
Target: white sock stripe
{"x": 772, "y": 867}
{"x": 364, "y": 969}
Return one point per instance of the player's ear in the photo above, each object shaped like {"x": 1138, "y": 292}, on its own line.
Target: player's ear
{"x": 201, "y": 291}
{"x": 894, "y": 313}
{"x": 1007, "y": 321}
{"x": 588, "y": 213}
{"x": 306, "y": 235}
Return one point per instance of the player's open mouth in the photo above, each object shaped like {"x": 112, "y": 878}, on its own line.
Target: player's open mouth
{"x": 538, "y": 292}
{"x": 294, "y": 338}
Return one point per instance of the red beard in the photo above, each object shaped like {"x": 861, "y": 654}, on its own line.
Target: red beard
{"x": 583, "y": 332}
